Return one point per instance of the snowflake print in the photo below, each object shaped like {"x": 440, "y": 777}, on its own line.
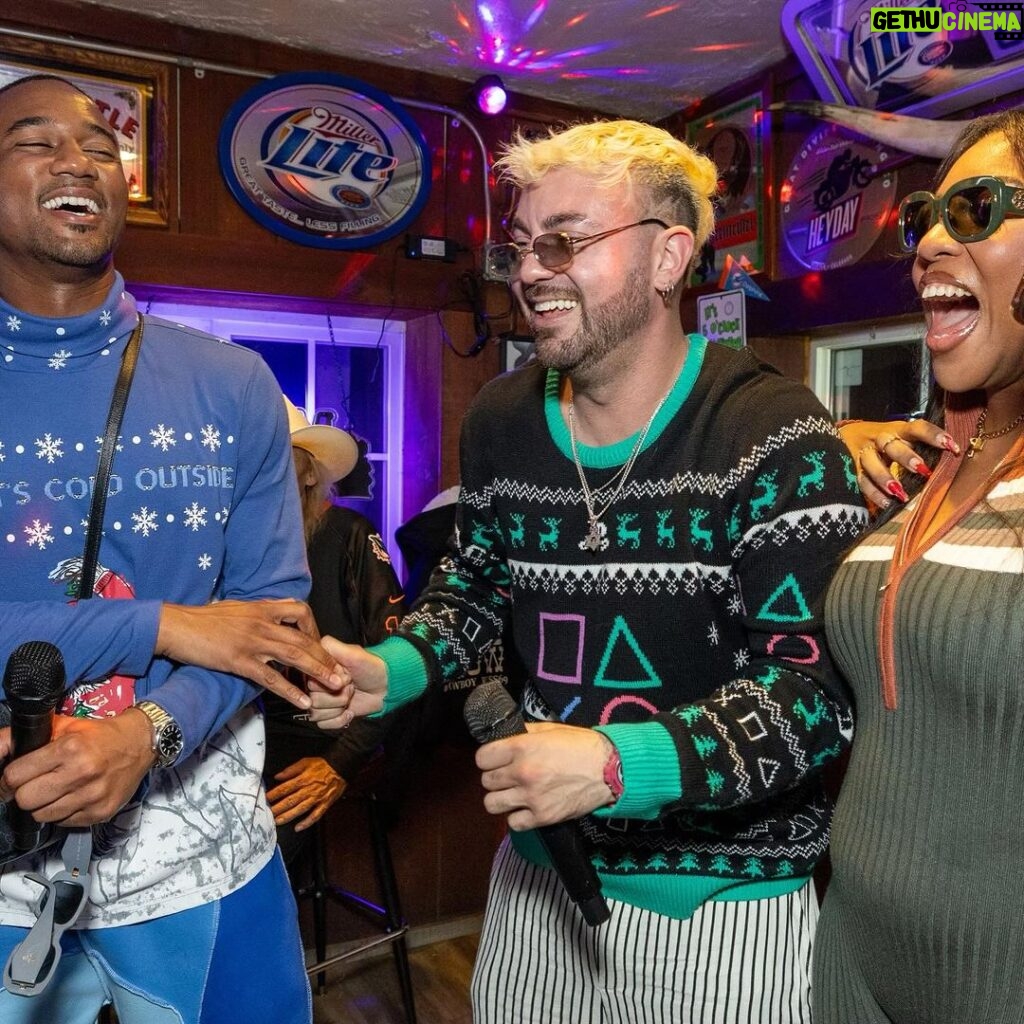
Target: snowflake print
{"x": 145, "y": 521}
{"x": 741, "y": 658}
{"x": 713, "y": 634}
{"x": 59, "y": 359}
{"x": 205, "y": 561}
{"x": 50, "y": 448}
{"x": 194, "y": 516}
{"x": 735, "y": 604}
{"x": 224, "y": 514}
{"x": 13, "y": 323}
{"x": 211, "y": 437}
{"x": 39, "y": 535}
{"x": 105, "y": 318}
{"x": 3, "y": 457}
{"x": 163, "y": 437}
{"x": 117, "y": 447}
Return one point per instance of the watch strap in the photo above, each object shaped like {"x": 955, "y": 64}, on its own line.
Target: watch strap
{"x": 167, "y": 738}
{"x": 613, "y": 775}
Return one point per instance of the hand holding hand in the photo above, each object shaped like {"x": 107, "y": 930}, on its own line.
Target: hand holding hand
{"x": 86, "y": 773}
{"x": 309, "y": 786}
{"x": 248, "y": 639}
{"x": 552, "y": 773}
{"x": 876, "y": 446}
{"x": 369, "y": 677}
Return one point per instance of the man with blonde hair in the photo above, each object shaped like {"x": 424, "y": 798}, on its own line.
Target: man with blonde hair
{"x": 656, "y": 517}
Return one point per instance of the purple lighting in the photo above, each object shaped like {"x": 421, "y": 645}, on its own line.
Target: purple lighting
{"x": 490, "y": 95}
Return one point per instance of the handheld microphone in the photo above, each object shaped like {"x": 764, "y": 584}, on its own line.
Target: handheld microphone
{"x": 34, "y": 685}
{"x": 492, "y": 714}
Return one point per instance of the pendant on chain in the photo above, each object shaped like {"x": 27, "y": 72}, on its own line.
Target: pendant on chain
{"x": 595, "y": 539}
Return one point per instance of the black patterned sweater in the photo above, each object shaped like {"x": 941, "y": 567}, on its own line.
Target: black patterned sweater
{"x": 692, "y": 638}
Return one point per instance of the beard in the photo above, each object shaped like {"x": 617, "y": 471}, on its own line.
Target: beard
{"x": 602, "y": 328}
{"x": 83, "y": 249}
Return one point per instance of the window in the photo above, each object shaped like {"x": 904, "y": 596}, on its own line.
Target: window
{"x": 343, "y": 371}
{"x": 872, "y": 373}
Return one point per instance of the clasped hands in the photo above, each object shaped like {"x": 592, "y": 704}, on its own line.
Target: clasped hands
{"x": 91, "y": 767}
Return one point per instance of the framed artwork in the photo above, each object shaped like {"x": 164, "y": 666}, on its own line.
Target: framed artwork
{"x": 132, "y": 95}
{"x": 732, "y": 138}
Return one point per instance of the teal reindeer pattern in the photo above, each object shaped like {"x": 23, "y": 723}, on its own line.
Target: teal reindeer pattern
{"x": 769, "y": 493}
{"x": 625, "y": 534}
{"x": 517, "y": 535}
{"x": 850, "y": 473}
{"x": 815, "y": 477}
{"x": 733, "y": 530}
{"x": 480, "y": 538}
{"x": 666, "y": 533}
{"x": 699, "y": 536}
{"x": 549, "y": 538}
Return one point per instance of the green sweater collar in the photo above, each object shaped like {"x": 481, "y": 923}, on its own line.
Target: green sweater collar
{"x": 615, "y": 454}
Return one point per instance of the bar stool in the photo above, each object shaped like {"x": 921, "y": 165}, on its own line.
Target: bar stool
{"x": 387, "y": 915}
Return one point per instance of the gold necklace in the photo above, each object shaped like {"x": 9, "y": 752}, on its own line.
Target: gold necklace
{"x": 596, "y": 536}
{"x": 977, "y": 442}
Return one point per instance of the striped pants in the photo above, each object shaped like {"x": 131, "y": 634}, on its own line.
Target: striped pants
{"x": 731, "y": 963}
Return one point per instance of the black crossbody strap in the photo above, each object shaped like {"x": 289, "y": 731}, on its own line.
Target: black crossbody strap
{"x": 99, "y": 495}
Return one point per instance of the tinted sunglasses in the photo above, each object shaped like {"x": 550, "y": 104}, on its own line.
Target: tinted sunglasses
{"x": 32, "y": 963}
{"x": 971, "y": 210}
{"x": 554, "y": 250}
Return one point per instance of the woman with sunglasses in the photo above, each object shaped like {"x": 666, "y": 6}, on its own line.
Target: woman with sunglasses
{"x": 923, "y": 920}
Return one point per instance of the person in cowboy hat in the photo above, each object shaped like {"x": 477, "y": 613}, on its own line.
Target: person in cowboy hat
{"x": 355, "y": 594}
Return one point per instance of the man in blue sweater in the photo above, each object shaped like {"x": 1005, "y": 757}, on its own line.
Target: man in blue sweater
{"x": 656, "y": 518}
{"x": 162, "y": 741}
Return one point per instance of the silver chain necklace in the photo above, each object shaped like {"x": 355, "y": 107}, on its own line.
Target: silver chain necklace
{"x": 596, "y": 537}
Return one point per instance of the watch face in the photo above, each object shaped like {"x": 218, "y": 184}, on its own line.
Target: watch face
{"x": 169, "y": 743}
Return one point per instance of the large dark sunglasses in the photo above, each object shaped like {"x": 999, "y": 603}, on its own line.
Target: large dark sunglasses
{"x": 971, "y": 210}
{"x": 32, "y": 963}
{"x": 554, "y": 250}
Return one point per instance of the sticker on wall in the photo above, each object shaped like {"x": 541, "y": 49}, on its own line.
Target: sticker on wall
{"x": 325, "y": 160}
{"x": 836, "y": 199}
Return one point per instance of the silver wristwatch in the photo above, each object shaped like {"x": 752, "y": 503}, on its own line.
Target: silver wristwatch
{"x": 167, "y": 738}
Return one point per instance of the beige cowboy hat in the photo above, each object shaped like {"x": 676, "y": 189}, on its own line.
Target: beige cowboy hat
{"x": 334, "y": 449}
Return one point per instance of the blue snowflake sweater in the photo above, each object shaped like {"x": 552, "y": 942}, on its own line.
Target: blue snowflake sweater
{"x": 693, "y": 638}
{"x": 202, "y": 505}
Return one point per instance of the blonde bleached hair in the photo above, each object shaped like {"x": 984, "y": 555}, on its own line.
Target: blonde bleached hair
{"x": 679, "y": 181}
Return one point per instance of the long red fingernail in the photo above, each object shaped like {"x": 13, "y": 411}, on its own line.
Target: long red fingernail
{"x": 894, "y": 488}
{"x": 949, "y": 444}
{"x": 920, "y": 468}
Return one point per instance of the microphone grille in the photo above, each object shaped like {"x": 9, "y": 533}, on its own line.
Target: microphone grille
{"x": 492, "y": 714}
{"x": 35, "y": 673}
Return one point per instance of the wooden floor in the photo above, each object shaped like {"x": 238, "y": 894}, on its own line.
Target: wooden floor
{"x": 367, "y": 992}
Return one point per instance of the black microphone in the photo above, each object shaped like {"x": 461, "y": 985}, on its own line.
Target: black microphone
{"x": 492, "y": 714}
{"x": 34, "y": 685}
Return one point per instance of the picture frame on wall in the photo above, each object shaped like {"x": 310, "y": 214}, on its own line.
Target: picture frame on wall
{"x": 732, "y": 137}
{"x": 132, "y": 95}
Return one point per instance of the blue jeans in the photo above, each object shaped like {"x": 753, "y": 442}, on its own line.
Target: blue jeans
{"x": 236, "y": 959}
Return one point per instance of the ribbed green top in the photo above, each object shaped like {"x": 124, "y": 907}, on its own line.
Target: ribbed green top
{"x": 923, "y": 922}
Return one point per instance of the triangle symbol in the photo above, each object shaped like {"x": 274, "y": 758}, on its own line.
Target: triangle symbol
{"x": 769, "y": 769}
{"x": 623, "y": 647}
{"x": 786, "y": 603}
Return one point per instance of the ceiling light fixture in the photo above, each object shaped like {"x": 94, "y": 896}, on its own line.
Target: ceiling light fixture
{"x": 490, "y": 95}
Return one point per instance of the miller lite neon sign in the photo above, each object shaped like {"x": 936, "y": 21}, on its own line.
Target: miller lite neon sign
{"x": 324, "y": 160}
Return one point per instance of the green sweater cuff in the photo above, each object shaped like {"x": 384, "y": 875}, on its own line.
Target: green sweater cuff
{"x": 650, "y": 770}
{"x": 407, "y": 672}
